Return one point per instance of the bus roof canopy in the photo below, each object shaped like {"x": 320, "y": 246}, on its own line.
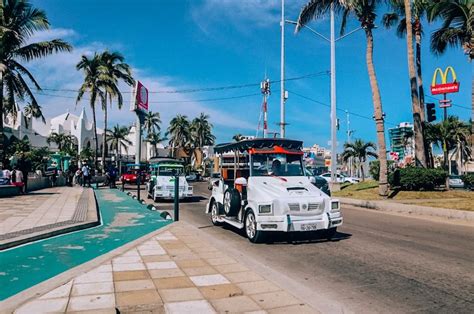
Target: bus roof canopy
{"x": 258, "y": 143}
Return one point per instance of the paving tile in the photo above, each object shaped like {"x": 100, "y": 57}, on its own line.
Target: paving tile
{"x": 179, "y": 251}
{"x": 161, "y": 265}
{"x": 189, "y": 307}
{"x": 255, "y": 287}
{"x": 132, "y": 252}
{"x": 167, "y": 236}
{"x": 195, "y": 271}
{"x": 60, "y": 292}
{"x": 298, "y": 308}
{"x": 239, "y": 304}
{"x": 103, "y": 268}
{"x": 130, "y": 275}
{"x": 131, "y": 285}
{"x": 211, "y": 255}
{"x": 173, "y": 282}
{"x": 231, "y": 268}
{"x": 139, "y": 297}
{"x": 220, "y": 291}
{"x": 276, "y": 299}
{"x": 165, "y": 273}
{"x": 243, "y": 276}
{"x": 93, "y": 277}
{"x": 131, "y": 266}
{"x": 101, "y": 311}
{"x": 43, "y": 306}
{"x": 180, "y": 294}
{"x": 209, "y": 280}
{"x": 184, "y": 256}
{"x": 92, "y": 288}
{"x": 127, "y": 260}
{"x": 221, "y": 261}
{"x": 91, "y": 302}
{"x": 155, "y": 258}
{"x": 191, "y": 263}
{"x": 149, "y": 252}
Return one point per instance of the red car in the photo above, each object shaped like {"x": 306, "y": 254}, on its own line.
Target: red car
{"x": 132, "y": 173}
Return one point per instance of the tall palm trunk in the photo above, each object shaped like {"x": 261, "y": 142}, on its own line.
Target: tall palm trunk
{"x": 1, "y": 119}
{"x": 378, "y": 113}
{"x": 472, "y": 117}
{"x": 420, "y": 157}
{"x": 105, "y": 134}
{"x": 95, "y": 136}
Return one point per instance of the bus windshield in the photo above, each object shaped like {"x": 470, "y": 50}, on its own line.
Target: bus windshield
{"x": 281, "y": 165}
{"x": 170, "y": 170}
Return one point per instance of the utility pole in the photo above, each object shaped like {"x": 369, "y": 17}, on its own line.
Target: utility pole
{"x": 349, "y": 133}
{"x": 265, "y": 89}
{"x": 282, "y": 73}
{"x": 333, "y": 98}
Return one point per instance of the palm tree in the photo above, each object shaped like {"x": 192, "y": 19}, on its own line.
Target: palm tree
{"x": 92, "y": 83}
{"x": 448, "y": 135}
{"x": 201, "y": 134}
{"x": 456, "y": 30}
{"x": 19, "y": 21}
{"x": 412, "y": 26}
{"x": 63, "y": 141}
{"x": 155, "y": 139}
{"x": 152, "y": 122}
{"x": 359, "y": 151}
{"x": 237, "y": 137}
{"x": 365, "y": 11}
{"x": 118, "y": 138}
{"x": 113, "y": 69}
{"x": 179, "y": 132}
{"x": 33, "y": 111}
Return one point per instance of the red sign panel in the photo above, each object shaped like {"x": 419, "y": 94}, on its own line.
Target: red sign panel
{"x": 141, "y": 97}
{"x": 445, "y": 88}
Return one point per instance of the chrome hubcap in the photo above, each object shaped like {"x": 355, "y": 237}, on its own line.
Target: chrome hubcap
{"x": 250, "y": 225}
{"x": 214, "y": 212}
{"x": 227, "y": 202}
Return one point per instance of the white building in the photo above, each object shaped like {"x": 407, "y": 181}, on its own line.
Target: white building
{"x": 79, "y": 128}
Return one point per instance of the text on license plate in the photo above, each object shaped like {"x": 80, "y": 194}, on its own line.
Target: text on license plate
{"x": 309, "y": 227}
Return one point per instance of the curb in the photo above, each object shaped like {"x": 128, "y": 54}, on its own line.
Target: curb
{"x": 410, "y": 209}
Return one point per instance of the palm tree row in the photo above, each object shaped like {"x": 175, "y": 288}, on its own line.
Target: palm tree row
{"x": 359, "y": 151}
{"x": 457, "y": 29}
{"x": 191, "y": 136}
{"x": 117, "y": 137}
{"x": 18, "y": 23}
{"x": 102, "y": 73}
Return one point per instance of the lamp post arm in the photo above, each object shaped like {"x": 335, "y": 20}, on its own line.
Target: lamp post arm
{"x": 351, "y": 32}
{"x": 310, "y": 29}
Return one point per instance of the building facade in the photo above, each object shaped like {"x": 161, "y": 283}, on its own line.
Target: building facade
{"x": 402, "y": 141}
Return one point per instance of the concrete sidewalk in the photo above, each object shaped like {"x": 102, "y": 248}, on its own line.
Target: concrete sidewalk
{"x": 176, "y": 271}
{"x": 44, "y": 213}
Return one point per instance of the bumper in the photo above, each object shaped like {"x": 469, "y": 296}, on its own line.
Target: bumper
{"x": 289, "y": 223}
{"x": 170, "y": 194}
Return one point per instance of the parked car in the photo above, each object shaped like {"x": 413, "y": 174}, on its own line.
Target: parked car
{"x": 192, "y": 177}
{"x": 3, "y": 179}
{"x": 131, "y": 175}
{"x": 340, "y": 178}
{"x": 318, "y": 182}
{"x": 455, "y": 182}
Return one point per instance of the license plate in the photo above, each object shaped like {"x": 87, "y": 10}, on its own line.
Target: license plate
{"x": 309, "y": 227}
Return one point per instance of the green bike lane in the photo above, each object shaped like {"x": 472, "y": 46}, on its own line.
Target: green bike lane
{"x": 123, "y": 220}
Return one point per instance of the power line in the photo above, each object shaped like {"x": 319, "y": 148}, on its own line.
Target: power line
{"x": 163, "y": 102}
{"x": 207, "y": 89}
{"x": 339, "y": 109}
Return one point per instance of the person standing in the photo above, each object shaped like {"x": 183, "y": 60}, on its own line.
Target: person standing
{"x": 17, "y": 179}
{"x": 86, "y": 175}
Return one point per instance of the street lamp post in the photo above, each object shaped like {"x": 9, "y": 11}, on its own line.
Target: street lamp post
{"x": 332, "y": 41}
{"x": 282, "y": 73}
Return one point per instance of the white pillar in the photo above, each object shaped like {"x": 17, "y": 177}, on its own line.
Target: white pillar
{"x": 333, "y": 98}
{"x": 282, "y": 74}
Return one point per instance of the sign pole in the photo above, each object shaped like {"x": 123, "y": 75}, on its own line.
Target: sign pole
{"x": 176, "y": 198}
{"x": 445, "y": 109}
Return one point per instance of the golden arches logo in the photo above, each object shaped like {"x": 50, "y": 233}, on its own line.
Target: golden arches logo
{"x": 444, "y": 87}
{"x": 444, "y": 75}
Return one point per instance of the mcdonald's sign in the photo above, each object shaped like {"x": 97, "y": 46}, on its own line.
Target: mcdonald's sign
{"x": 444, "y": 87}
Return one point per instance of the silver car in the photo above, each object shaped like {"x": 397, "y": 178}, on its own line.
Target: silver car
{"x": 455, "y": 182}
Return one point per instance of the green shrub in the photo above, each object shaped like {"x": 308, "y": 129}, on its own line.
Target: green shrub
{"x": 468, "y": 179}
{"x": 415, "y": 179}
{"x": 374, "y": 168}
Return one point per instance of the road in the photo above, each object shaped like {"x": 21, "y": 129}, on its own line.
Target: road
{"x": 379, "y": 263}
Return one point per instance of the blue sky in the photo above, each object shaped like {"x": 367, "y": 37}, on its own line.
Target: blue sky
{"x": 178, "y": 44}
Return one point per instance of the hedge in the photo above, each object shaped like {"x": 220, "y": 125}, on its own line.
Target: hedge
{"x": 415, "y": 179}
{"x": 468, "y": 179}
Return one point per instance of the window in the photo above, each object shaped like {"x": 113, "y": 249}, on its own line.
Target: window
{"x": 277, "y": 165}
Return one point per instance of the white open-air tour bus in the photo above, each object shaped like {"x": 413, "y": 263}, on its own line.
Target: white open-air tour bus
{"x": 263, "y": 187}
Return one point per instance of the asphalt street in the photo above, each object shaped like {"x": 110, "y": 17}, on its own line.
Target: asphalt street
{"x": 379, "y": 262}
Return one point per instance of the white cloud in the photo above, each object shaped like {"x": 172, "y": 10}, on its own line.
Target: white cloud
{"x": 53, "y": 33}
{"x": 58, "y": 72}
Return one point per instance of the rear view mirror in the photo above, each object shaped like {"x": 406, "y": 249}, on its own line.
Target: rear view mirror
{"x": 312, "y": 180}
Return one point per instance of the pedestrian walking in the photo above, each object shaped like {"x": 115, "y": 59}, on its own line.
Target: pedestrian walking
{"x": 17, "y": 179}
{"x": 86, "y": 174}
